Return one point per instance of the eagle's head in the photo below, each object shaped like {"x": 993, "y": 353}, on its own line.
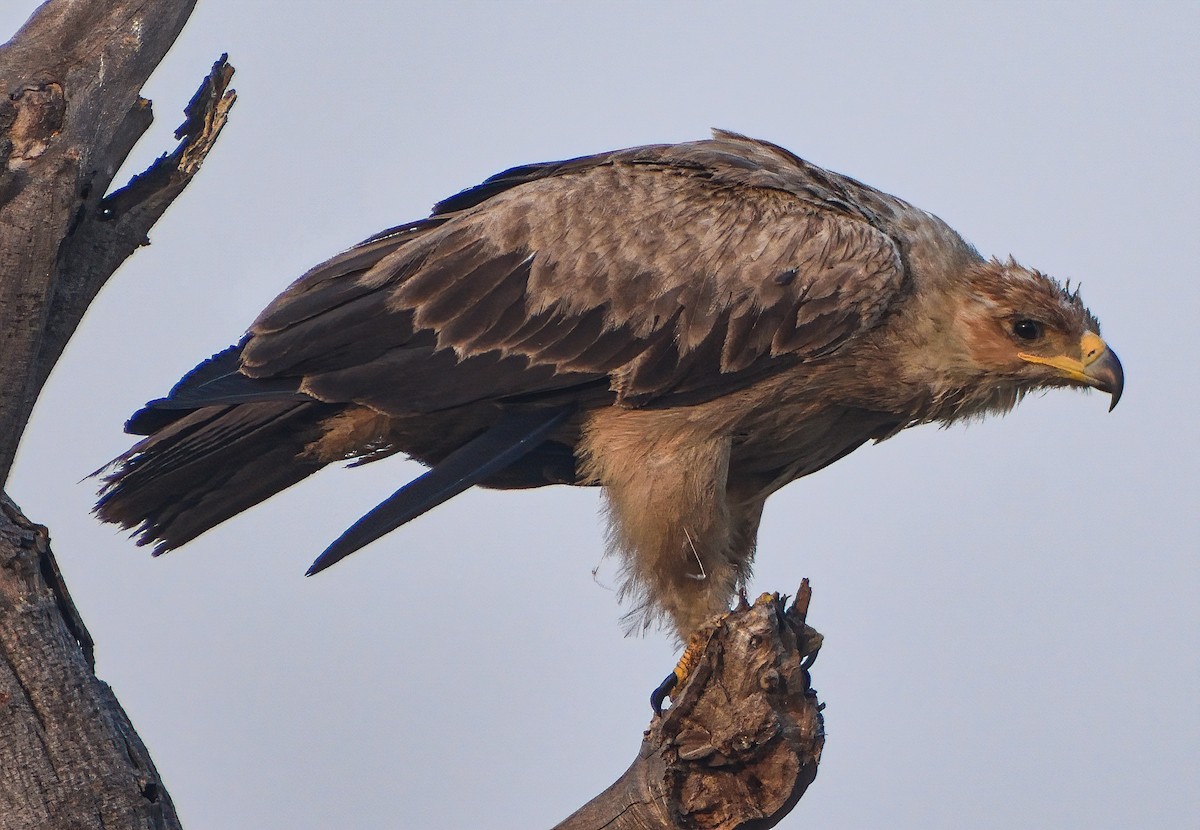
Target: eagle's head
{"x": 1013, "y": 330}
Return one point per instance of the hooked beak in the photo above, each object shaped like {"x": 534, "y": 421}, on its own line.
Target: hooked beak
{"x": 1099, "y": 367}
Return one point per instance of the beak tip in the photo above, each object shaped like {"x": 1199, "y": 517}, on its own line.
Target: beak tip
{"x": 1109, "y": 376}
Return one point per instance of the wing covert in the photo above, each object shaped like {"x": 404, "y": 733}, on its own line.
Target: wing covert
{"x": 667, "y": 277}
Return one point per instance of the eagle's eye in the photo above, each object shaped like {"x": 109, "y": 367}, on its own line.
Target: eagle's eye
{"x": 1027, "y": 329}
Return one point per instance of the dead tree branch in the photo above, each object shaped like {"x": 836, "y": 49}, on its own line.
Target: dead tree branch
{"x": 70, "y": 114}
{"x": 69, "y": 117}
{"x": 742, "y": 740}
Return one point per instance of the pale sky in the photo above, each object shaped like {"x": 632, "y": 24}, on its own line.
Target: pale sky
{"x": 1009, "y": 609}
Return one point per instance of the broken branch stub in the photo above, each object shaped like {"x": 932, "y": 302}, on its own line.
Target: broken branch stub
{"x": 742, "y": 739}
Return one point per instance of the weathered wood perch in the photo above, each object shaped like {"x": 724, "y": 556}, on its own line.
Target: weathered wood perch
{"x": 742, "y": 739}
{"x": 736, "y": 750}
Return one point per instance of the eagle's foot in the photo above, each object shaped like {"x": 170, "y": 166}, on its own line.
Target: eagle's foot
{"x": 682, "y": 670}
{"x": 691, "y": 654}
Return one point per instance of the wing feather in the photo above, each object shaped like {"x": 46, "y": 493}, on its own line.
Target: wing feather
{"x": 670, "y": 272}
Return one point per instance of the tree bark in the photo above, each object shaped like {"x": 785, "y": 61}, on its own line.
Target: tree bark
{"x": 69, "y": 117}
{"x": 742, "y": 739}
{"x": 71, "y": 112}
{"x": 69, "y": 757}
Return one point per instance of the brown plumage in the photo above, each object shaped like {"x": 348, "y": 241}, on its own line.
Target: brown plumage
{"x": 689, "y": 326}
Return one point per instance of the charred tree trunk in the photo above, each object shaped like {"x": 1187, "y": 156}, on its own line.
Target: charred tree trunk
{"x": 70, "y": 114}
{"x": 737, "y": 748}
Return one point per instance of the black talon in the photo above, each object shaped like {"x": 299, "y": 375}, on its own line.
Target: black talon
{"x": 809, "y": 659}
{"x": 660, "y": 694}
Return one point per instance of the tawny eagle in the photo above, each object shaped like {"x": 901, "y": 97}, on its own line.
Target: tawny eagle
{"x": 688, "y": 326}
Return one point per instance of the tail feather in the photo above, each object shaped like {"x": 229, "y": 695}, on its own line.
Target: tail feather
{"x": 208, "y": 466}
